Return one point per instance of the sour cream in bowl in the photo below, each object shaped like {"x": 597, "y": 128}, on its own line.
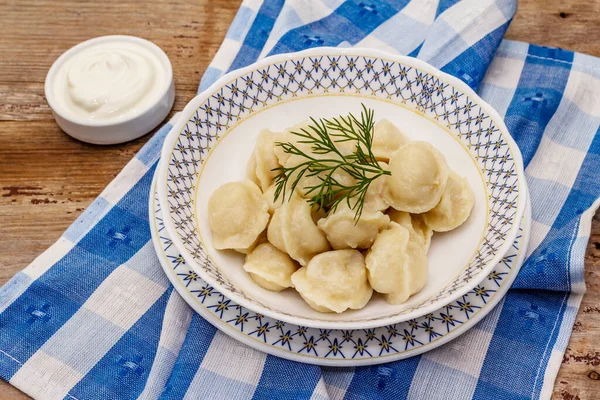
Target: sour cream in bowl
{"x": 110, "y": 89}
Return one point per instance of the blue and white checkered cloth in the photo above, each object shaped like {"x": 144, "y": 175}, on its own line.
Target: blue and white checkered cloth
{"x": 95, "y": 317}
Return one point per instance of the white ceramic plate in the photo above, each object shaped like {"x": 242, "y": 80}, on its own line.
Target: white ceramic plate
{"x": 211, "y": 143}
{"x": 334, "y": 347}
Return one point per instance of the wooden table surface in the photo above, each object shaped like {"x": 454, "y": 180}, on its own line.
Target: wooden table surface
{"x": 63, "y": 176}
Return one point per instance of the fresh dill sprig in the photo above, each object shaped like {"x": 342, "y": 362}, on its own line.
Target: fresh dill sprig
{"x": 325, "y": 159}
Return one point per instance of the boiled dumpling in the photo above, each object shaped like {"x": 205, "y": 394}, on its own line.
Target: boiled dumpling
{"x": 418, "y": 178}
{"x": 387, "y": 261}
{"x": 269, "y": 267}
{"x": 396, "y": 264}
{"x": 266, "y": 161}
{"x": 418, "y": 229}
{"x": 262, "y": 238}
{"x": 307, "y": 180}
{"x": 293, "y": 230}
{"x": 421, "y": 230}
{"x": 374, "y": 198}
{"x": 387, "y": 139}
{"x": 315, "y": 305}
{"x": 344, "y": 232}
{"x": 455, "y": 206}
{"x": 288, "y": 137}
{"x": 342, "y": 177}
{"x": 419, "y": 267}
{"x": 275, "y": 230}
{"x": 345, "y": 147}
{"x": 395, "y": 298}
{"x": 302, "y": 239}
{"x": 251, "y": 170}
{"x": 292, "y": 160}
{"x": 334, "y": 281}
{"x": 237, "y": 214}
{"x": 269, "y": 196}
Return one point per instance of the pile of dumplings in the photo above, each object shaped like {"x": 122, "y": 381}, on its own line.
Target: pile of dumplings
{"x": 333, "y": 261}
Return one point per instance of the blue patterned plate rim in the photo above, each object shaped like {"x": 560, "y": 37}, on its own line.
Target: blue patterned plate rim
{"x": 180, "y": 217}
{"x": 336, "y": 347}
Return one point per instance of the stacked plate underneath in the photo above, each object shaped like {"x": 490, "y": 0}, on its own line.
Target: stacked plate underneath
{"x": 470, "y": 269}
{"x": 336, "y": 347}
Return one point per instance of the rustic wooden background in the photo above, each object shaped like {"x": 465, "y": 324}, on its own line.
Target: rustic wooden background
{"x": 47, "y": 178}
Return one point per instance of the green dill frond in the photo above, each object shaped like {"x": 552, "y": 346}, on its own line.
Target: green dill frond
{"x": 324, "y": 160}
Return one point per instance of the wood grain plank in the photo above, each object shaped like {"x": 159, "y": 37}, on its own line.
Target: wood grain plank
{"x": 63, "y": 175}
{"x": 571, "y": 25}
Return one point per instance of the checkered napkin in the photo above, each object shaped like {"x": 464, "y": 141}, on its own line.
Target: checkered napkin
{"x": 95, "y": 317}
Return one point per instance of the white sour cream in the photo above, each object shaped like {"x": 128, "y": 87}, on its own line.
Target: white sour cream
{"x": 110, "y": 80}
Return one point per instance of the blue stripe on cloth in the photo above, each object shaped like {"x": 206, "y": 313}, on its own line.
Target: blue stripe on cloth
{"x": 537, "y": 97}
{"x": 449, "y": 38}
{"x": 284, "y": 379}
{"x": 577, "y": 202}
{"x": 450, "y": 383}
{"x": 534, "y": 323}
{"x": 197, "y": 342}
{"x": 124, "y": 230}
{"x": 123, "y": 371}
{"x": 87, "y": 219}
{"x": 258, "y": 34}
{"x": 237, "y": 28}
{"x": 539, "y": 189}
{"x": 577, "y": 269}
{"x": 586, "y": 125}
{"x": 211, "y": 385}
{"x": 551, "y": 343}
{"x": 133, "y": 204}
{"x": 337, "y": 379}
{"x": 332, "y": 4}
{"x": 486, "y": 391}
{"x": 585, "y": 188}
{"x": 403, "y": 44}
{"x": 586, "y": 63}
{"x": 151, "y": 150}
{"x": 77, "y": 332}
{"x": 116, "y": 237}
{"x": 471, "y": 65}
{"x": 13, "y": 289}
{"x": 176, "y": 321}
{"x": 526, "y": 328}
{"x": 389, "y": 381}
{"x": 569, "y": 317}
{"x": 415, "y": 52}
{"x": 51, "y": 300}
{"x": 210, "y": 76}
{"x": 443, "y": 5}
{"x": 497, "y": 97}
{"x": 147, "y": 264}
{"x": 507, "y": 7}
{"x": 545, "y": 268}
{"x": 8, "y": 365}
{"x": 350, "y": 22}
{"x": 288, "y": 18}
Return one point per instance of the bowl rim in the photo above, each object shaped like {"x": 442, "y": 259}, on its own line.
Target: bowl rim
{"x": 192, "y": 106}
